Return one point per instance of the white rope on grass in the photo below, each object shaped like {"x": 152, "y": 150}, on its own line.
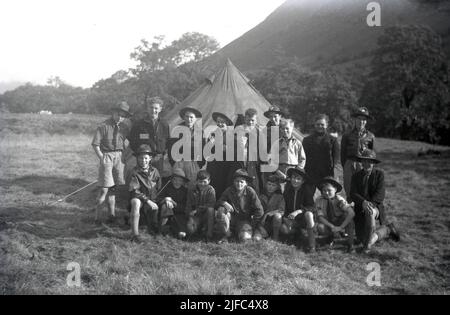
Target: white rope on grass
{"x": 73, "y": 193}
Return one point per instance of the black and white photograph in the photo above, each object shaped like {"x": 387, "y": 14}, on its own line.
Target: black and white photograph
{"x": 224, "y": 153}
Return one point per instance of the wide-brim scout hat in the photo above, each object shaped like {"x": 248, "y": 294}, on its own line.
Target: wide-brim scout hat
{"x": 216, "y": 115}
{"x": 242, "y": 173}
{"x": 368, "y": 155}
{"x": 330, "y": 180}
{"x": 144, "y": 149}
{"x": 190, "y": 109}
{"x": 273, "y": 110}
{"x": 123, "y": 107}
{"x": 178, "y": 172}
{"x": 298, "y": 171}
{"x": 361, "y": 111}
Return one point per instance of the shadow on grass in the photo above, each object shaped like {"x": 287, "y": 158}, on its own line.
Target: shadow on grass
{"x": 48, "y": 222}
{"x": 63, "y": 186}
{"x": 49, "y": 219}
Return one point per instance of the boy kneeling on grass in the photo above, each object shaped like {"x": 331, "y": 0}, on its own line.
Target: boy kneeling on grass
{"x": 274, "y": 205}
{"x": 172, "y": 202}
{"x": 201, "y": 200}
{"x": 239, "y": 210}
{"x": 368, "y": 192}
{"x": 298, "y": 218}
{"x": 144, "y": 185}
{"x": 334, "y": 213}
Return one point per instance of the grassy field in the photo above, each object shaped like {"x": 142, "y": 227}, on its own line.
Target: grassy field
{"x": 38, "y": 240}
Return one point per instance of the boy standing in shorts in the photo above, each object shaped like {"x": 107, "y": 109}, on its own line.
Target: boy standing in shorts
{"x": 108, "y": 144}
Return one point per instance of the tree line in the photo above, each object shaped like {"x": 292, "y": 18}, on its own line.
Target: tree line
{"x": 405, "y": 85}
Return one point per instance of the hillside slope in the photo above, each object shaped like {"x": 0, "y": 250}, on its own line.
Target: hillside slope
{"x": 328, "y": 31}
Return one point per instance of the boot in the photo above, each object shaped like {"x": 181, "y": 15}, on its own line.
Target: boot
{"x": 136, "y": 239}
{"x": 394, "y": 233}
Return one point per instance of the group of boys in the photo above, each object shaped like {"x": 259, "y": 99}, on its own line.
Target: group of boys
{"x": 219, "y": 200}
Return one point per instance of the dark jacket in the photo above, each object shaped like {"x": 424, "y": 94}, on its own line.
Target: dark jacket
{"x": 269, "y": 134}
{"x": 354, "y": 143}
{"x": 178, "y": 195}
{"x": 200, "y": 200}
{"x": 376, "y": 192}
{"x": 145, "y": 132}
{"x": 144, "y": 185}
{"x": 322, "y": 156}
{"x": 220, "y": 170}
{"x": 305, "y": 198}
{"x": 250, "y": 200}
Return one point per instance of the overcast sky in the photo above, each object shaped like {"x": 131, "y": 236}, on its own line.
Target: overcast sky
{"x": 82, "y": 41}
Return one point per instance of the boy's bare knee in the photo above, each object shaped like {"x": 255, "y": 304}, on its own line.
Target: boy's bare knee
{"x": 244, "y": 236}
{"x": 257, "y": 237}
{"x": 284, "y": 229}
{"x": 309, "y": 217}
{"x": 321, "y": 229}
{"x": 135, "y": 206}
{"x": 102, "y": 195}
{"x": 191, "y": 226}
{"x": 277, "y": 217}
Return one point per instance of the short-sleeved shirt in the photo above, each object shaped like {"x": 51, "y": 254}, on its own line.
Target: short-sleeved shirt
{"x": 200, "y": 199}
{"x": 332, "y": 209}
{"x": 272, "y": 203}
{"x": 110, "y": 136}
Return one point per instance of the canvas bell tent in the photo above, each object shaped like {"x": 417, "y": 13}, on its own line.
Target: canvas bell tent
{"x": 228, "y": 92}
